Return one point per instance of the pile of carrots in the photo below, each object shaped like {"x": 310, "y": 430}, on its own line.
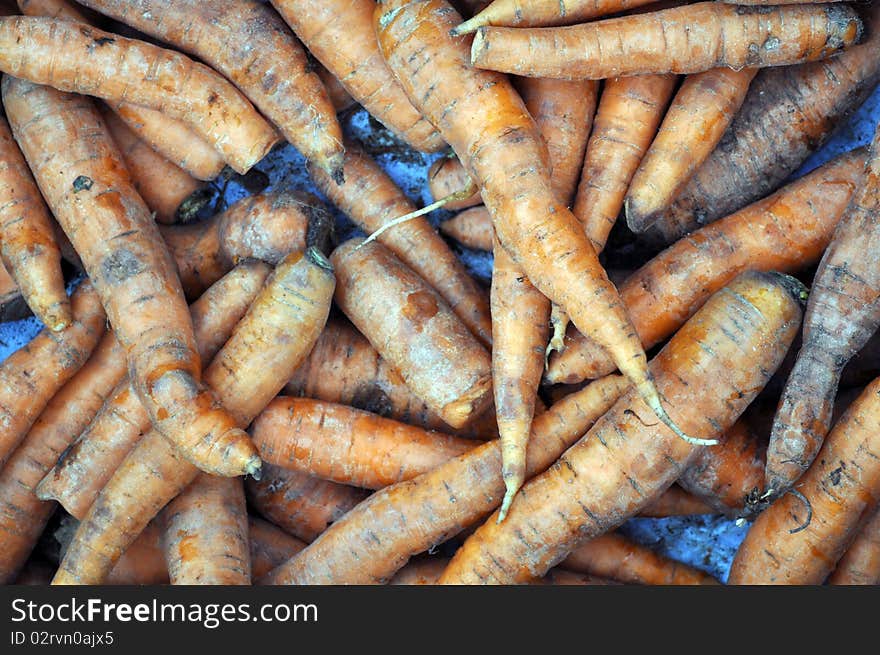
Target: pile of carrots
{"x": 241, "y": 397}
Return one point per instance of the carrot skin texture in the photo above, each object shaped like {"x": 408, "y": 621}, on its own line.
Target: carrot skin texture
{"x": 259, "y": 55}
{"x": 340, "y": 35}
{"x": 843, "y": 311}
{"x": 79, "y": 475}
{"x": 737, "y": 339}
{"x": 414, "y": 329}
{"x": 271, "y": 340}
{"x": 337, "y": 93}
{"x": 629, "y": 113}
{"x": 454, "y": 495}
{"x": 860, "y": 564}
{"x": 544, "y": 13}
{"x": 269, "y": 546}
{"x": 371, "y": 199}
{"x": 447, "y": 176}
{"x": 675, "y": 502}
{"x": 210, "y": 104}
{"x": 472, "y": 228}
{"x": 663, "y": 293}
{"x": 693, "y": 125}
{"x": 27, "y": 241}
{"x": 688, "y": 39}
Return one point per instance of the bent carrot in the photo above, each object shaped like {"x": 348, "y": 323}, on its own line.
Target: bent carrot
{"x": 472, "y": 228}
{"x": 734, "y": 343}
{"x": 860, "y": 563}
{"x": 688, "y": 39}
{"x": 544, "y": 13}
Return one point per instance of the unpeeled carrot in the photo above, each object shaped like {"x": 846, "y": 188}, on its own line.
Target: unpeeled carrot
{"x": 544, "y": 13}
{"x": 338, "y": 94}
{"x": 269, "y": 546}
{"x": 472, "y": 228}
{"x": 675, "y": 501}
{"x": 448, "y": 177}
{"x": 12, "y": 304}
{"x": 142, "y": 563}
{"x": 860, "y": 564}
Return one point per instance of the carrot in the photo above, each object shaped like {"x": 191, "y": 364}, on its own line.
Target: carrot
{"x": 12, "y": 304}
{"x": 205, "y": 533}
{"x": 687, "y": 39}
{"x": 411, "y": 326}
{"x": 420, "y": 571}
{"x": 268, "y": 343}
{"x": 733, "y": 344}
{"x": 454, "y": 495}
{"x": 801, "y": 536}
{"x": 544, "y": 13}
{"x": 696, "y": 120}
{"x": 23, "y": 516}
{"x": 505, "y": 155}
{"x": 258, "y": 54}
{"x": 27, "y": 241}
{"x": 171, "y": 193}
{"x": 446, "y": 177}
{"x": 613, "y": 556}
{"x": 472, "y": 228}
{"x": 207, "y": 102}
{"x": 269, "y": 546}
{"x": 91, "y": 195}
{"x": 300, "y": 504}
{"x": 789, "y": 113}
{"x": 371, "y": 199}
{"x": 30, "y": 376}
{"x": 860, "y": 564}
{"x": 142, "y": 563}
{"x": 630, "y": 110}
{"x": 339, "y": 96}
{"x": 340, "y": 35}
{"x": 100, "y": 447}
{"x": 675, "y": 502}
{"x": 347, "y": 445}
{"x": 842, "y": 313}
{"x": 786, "y": 232}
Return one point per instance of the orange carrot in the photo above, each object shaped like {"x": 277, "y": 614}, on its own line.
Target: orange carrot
{"x": 472, "y": 228}
{"x": 733, "y": 344}
{"x": 143, "y": 562}
{"x": 860, "y": 564}
{"x": 269, "y": 546}
{"x": 420, "y": 571}
{"x": 675, "y": 502}
{"x": 544, "y": 13}
{"x": 339, "y": 96}
{"x": 446, "y": 177}
{"x": 687, "y": 39}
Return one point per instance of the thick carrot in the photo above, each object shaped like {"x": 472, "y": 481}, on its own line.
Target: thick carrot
{"x": 414, "y": 329}
{"x": 693, "y": 125}
{"x": 300, "y": 504}
{"x": 171, "y": 193}
{"x": 786, "y": 232}
{"x": 842, "y": 313}
{"x": 446, "y": 177}
{"x": 269, "y": 546}
{"x": 85, "y": 467}
{"x": 372, "y": 199}
{"x": 802, "y": 535}
{"x": 687, "y": 39}
{"x": 23, "y": 516}
{"x": 347, "y": 445}
{"x": 472, "y": 228}
{"x": 544, "y": 13}
{"x": 271, "y": 340}
{"x": 630, "y": 110}
{"x": 30, "y": 376}
{"x": 860, "y": 564}
{"x": 485, "y": 121}
{"x": 675, "y": 502}
{"x": 27, "y": 240}
{"x": 454, "y": 495}
{"x": 612, "y": 555}
{"x": 733, "y": 344}
{"x": 41, "y": 50}
{"x": 258, "y": 54}
{"x": 339, "y": 33}
{"x": 789, "y": 112}
{"x": 205, "y": 533}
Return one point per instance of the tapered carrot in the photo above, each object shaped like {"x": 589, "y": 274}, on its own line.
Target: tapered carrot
{"x": 258, "y": 54}
{"x": 454, "y": 495}
{"x": 860, "y": 564}
{"x": 269, "y": 546}
{"x": 446, "y": 177}
{"x": 789, "y": 113}
{"x": 27, "y": 241}
{"x": 100, "y": 447}
{"x": 507, "y": 158}
{"x": 675, "y": 501}
{"x": 23, "y": 516}
{"x": 371, "y": 199}
{"x": 842, "y": 313}
{"x": 688, "y": 39}
{"x": 733, "y": 343}
{"x": 413, "y": 328}
{"x": 339, "y": 33}
{"x": 300, "y": 504}
{"x": 786, "y": 232}
{"x": 802, "y": 535}
{"x": 30, "y": 376}
{"x": 630, "y": 110}
{"x": 471, "y": 228}
{"x": 92, "y": 197}
{"x": 696, "y": 120}
{"x": 271, "y": 340}
{"x": 612, "y": 555}
{"x": 544, "y": 13}
{"x": 171, "y": 193}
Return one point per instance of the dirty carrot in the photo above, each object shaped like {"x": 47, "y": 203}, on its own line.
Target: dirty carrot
{"x": 675, "y": 501}
{"x": 447, "y": 176}
{"x": 693, "y": 125}
{"x": 860, "y": 563}
{"x": 543, "y": 13}
{"x": 269, "y": 546}
{"x": 733, "y": 344}
{"x": 786, "y": 232}
{"x": 142, "y": 563}
{"x": 688, "y": 39}
{"x": 472, "y": 228}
